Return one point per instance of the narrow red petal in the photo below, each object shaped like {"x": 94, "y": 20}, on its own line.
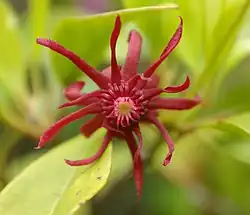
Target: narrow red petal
{"x": 180, "y": 88}
{"x": 138, "y": 169}
{"x": 83, "y": 98}
{"x": 115, "y": 74}
{"x": 133, "y": 56}
{"x": 175, "y": 38}
{"x": 139, "y": 135}
{"x": 138, "y": 82}
{"x": 51, "y": 132}
{"x": 97, "y": 77}
{"x": 92, "y": 159}
{"x": 153, "y": 82}
{"x": 112, "y": 129}
{"x": 166, "y": 136}
{"x": 133, "y": 81}
{"x": 150, "y": 93}
{"x": 92, "y": 125}
{"x": 174, "y": 103}
{"x": 107, "y": 72}
{"x": 169, "y": 48}
{"x": 73, "y": 91}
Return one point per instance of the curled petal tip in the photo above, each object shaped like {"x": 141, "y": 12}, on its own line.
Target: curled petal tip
{"x": 167, "y": 159}
{"x": 197, "y": 98}
{"x": 130, "y": 35}
{"x": 118, "y": 17}
{"x": 172, "y": 44}
{"x": 42, "y": 41}
{"x": 115, "y": 71}
{"x": 165, "y": 162}
{"x": 181, "y": 19}
{"x": 118, "y": 21}
{"x": 69, "y": 162}
{"x": 80, "y": 84}
{"x": 134, "y": 33}
{"x": 38, "y": 40}
{"x": 41, "y": 143}
{"x": 61, "y": 106}
{"x": 178, "y": 89}
{"x": 73, "y": 91}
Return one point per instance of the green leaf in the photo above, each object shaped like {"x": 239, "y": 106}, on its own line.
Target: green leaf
{"x": 49, "y": 186}
{"x": 1, "y": 185}
{"x": 225, "y": 31}
{"x": 37, "y": 17}
{"x": 9, "y": 138}
{"x": 229, "y": 99}
{"x": 157, "y": 28}
{"x": 239, "y": 52}
{"x": 193, "y": 37}
{"x": 89, "y": 36}
{"x": 216, "y": 159}
{"x": 208, "y": 56}
{"x": 11, "y": 56}
{"x": 16, "y": 166}
{"x": 240, "y": 121}
{"x": 194, "y": 31}
{"x": 138, "y": 3}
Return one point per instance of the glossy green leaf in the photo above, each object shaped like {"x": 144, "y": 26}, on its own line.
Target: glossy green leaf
{"x": 239, "y": 53}
{"x": 229, "y": 99}
{"x": 240, "y": 121}
{"x": 12, "y": 73}
{"x": 38, "y": 18}
{"x": 11, "y": 56}
{"x": 89, "y": 36}
{"x": 136, "y": 3}
{"x": 16, "y": 166}
{"x": 225, "y": 31}
{"x": 204, "y": 55}
{"x": 49, "y": 186}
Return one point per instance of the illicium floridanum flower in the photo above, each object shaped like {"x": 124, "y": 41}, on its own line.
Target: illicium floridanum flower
{"x": 125, "y": 99}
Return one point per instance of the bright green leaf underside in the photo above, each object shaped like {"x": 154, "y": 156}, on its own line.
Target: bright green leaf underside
{"x": 11, "y": 55}
{"x": 58, "y": 189}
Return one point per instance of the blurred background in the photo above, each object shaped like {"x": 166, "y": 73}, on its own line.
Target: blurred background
{"x": 210, "y": 170}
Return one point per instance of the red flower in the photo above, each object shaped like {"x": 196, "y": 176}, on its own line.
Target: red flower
{"x": 125, "y": 99}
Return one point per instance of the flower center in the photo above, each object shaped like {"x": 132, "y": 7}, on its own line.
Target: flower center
{"x": 123, "y": 106}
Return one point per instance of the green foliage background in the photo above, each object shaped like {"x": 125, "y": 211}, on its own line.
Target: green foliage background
{"x": 210, "y": 170}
